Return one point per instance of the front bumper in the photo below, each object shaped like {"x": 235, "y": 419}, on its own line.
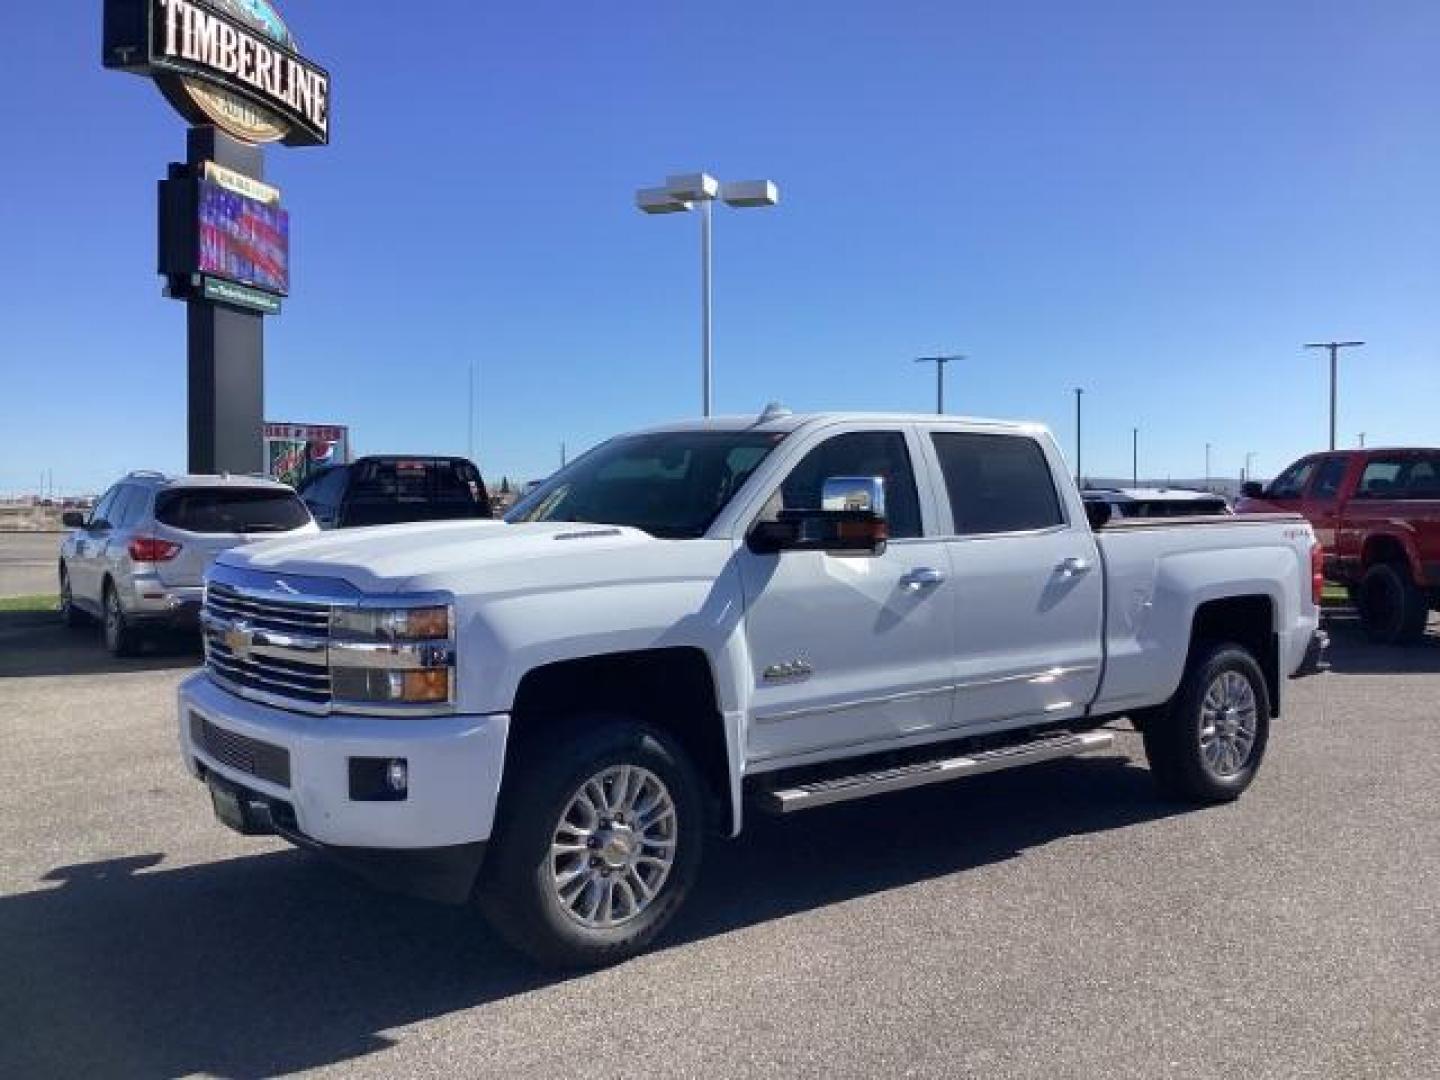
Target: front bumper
{"x": 299, "y": 766}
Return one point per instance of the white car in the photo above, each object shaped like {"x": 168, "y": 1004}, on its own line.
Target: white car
{"x": 137, "y": 560}
{"x": 551, "y": 713}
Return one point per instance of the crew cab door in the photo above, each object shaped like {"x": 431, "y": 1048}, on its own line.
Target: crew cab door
{"x": 849, "y": 650}
{"x": 1321, "y": 503}
{"x": 1028, "y": 588}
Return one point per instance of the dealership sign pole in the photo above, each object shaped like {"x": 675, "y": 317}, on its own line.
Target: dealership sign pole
{"x": 233, "y": 70}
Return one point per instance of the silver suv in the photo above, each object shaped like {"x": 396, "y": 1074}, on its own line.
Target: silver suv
{"x": 138, "y": 560}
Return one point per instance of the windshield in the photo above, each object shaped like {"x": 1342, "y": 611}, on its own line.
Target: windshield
{"x": 672, "y": 484}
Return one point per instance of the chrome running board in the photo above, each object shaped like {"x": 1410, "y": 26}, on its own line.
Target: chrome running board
{"x": 860, "y": 785}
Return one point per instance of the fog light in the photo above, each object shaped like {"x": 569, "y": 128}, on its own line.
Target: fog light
{"x": 378, "y": 779}
{"x": 397, "y": 776}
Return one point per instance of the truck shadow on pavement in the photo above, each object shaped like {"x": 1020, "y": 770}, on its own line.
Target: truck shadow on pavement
{"x": 1352, "y": 653}
{"x": 277, "y": 962}
{"x": 37, "y": 644}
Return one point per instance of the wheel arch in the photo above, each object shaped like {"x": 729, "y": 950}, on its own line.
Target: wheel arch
{"x": 1390, "y": 547}
{"x": 672, "y": 688}
{"x": 1247, "y": 620}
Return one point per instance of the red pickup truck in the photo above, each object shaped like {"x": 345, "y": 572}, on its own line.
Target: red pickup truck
{"x": 1377, "y": 512}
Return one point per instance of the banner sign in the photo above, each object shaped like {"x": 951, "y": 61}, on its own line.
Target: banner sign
{"x": 241, "y": 184}
{"x": 294, "y": 451}
{"x": 231, "y": 63}
{"x": 227, "y": 292}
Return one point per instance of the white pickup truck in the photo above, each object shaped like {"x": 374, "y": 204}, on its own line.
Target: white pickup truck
{"x": 549, "y": 714}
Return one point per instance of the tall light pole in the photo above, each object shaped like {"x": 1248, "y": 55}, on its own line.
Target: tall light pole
{"x": 1362, "y": 440}
{"x": 683, "y": 193}
{"x": 1079, "y": 393}
{"x": 939, "y": 362}
{"x": 1135, "y": 457}
{"x": 1334, "y": 348}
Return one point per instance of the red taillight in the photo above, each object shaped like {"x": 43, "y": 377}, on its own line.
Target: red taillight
{"x": 151, "y": 549}
{"x": 1317, "y": 572}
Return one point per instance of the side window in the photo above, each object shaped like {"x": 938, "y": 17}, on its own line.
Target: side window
{"x": 1291, "y": 483}
{"x": 104, "y": 506}
{"x": 1327, "y": 479}
{"x": 1423, "y": 482}
{"x": 857, "y": 453}
{"x": 1381, "y": 479}
{"x": 997, "y": 483}
{"x": 122, "y": 509}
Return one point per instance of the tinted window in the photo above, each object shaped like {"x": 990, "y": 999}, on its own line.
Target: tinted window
{"x": 1328, "y": 478}
{"x": 1414, "y": 476}
{"x": 230, "y": 510}
{"x": 857, "y": 453}
{"x": 123, "y": 509}
{"x": 325, "y": 488}
{"x": 421, "y": 481}
{"x": 136, "y": 508}
{"x": 670, "y": 484}
{"x": 1291, "y": 483}
{"x": 1153, "y": 508}
{"x": 104, "y": 506}
{"x": 997, "y": 483}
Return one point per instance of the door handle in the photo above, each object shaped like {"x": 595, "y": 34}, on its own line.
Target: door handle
{"x": 922, "y": 577}
{"x": 1072, "y": 567}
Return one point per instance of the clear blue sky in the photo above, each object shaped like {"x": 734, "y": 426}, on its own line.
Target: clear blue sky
{"x": 1157, "y": 201}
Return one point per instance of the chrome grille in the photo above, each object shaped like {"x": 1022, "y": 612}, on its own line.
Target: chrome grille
{"x": 286, "y": 616}
{"x": 283, "y": 644}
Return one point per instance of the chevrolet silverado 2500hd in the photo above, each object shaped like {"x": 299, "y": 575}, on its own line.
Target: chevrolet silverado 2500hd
{"x": 550, "y": 714}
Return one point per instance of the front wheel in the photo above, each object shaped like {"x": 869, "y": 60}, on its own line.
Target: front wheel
{"x": 70, "y": 615}
{"x": 1208, "y": 744}
{"x": 597, "y": 843}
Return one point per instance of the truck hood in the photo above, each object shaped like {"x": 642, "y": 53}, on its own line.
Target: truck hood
{"x": 438, "y": 554}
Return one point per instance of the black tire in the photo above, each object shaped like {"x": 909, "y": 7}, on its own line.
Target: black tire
{"x": 1173, "y": 737}
{"x": 70, "y": 615}
{"x": 1393, "y": 609}
{"x": 517, "y": 891}
{"x": 121, "y": 638}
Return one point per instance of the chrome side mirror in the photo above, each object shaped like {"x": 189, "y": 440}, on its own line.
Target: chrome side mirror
{"x": 853, "y": 493}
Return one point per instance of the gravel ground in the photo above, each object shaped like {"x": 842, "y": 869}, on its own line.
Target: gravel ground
{"x": 1056, "y": 922}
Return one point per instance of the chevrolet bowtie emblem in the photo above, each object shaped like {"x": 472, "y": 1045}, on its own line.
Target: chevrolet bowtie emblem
{"x": 238, "y": 639}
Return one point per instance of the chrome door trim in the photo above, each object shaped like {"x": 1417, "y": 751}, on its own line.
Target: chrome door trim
{"x": 1039, "y": 678}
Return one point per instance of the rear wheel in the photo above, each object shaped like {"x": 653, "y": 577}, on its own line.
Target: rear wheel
{"x": 121, "y": 638}
{"x": 1208, "y": 744}
{"x": 1393, "y": 609}
{"x": 596, "y": 846}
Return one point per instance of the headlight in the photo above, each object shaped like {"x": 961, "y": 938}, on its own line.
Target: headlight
{"x": 391, "y": 624}
{"x": 401, "y": 656}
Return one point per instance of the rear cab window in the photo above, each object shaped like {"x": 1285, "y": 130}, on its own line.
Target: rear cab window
{"x": 230, "y": 510}
{"x": 1401, "y": 476}
{"x": 997, "y": 483}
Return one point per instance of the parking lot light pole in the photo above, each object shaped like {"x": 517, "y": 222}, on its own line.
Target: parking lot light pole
{"x": 1079, "y": 393}
{"x": 684, "y": 193}
{"x": 1135, "y": 457}
{"x": 939, "y": 362}
{"x": 1207, "y": 466}
{"x": 1250, "y": 455}
{"x": 1334, "y": 348}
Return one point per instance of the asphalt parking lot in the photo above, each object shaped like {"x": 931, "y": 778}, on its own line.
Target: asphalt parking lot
{"x": 1060, "y": 922}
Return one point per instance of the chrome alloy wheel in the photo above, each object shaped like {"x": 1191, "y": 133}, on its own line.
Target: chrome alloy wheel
{"x": 1228, "y": 722}
{"x": 613, "y": 847}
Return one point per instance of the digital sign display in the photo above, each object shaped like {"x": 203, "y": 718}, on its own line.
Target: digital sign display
{"x": 243, "y": 240}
